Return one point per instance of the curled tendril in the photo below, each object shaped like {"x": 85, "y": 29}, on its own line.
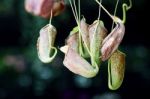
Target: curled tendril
{"x": 125, "y": 8}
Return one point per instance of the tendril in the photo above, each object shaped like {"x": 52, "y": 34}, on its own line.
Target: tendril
{"x": 125, "y": 8}
{"x": 51, "y": 16}
{"x": 115, "y": 13}
{"x": 99, "y": 13}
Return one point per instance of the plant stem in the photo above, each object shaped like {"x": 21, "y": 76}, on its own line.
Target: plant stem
{"x": 115, "y": 13}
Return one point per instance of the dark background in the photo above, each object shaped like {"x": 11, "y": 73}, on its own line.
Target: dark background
{"x": 23, "y": 76}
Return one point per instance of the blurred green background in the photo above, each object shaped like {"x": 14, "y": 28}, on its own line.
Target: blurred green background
{"x": 23, "y": 76}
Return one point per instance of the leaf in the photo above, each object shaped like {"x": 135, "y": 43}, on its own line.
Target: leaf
{"x": 85, "y": 33}
{"x": 43, "y": 8}
{"x": 75, "y": 30}
{"x": 46, "y": 51}
{"x": 116, "y": 69}
{"x": 72, "y": 40}
{"x": 97, "y": 33}
{"x": 78, "y": 65}
{"x": 113, "y": 40}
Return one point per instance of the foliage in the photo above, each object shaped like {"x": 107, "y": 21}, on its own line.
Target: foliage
{"x": 26, "y": 77}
